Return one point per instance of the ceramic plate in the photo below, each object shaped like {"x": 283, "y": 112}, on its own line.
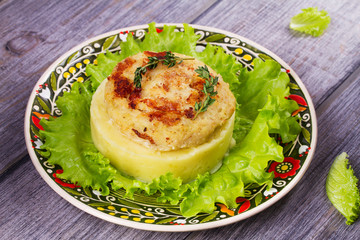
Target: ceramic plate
{"x": 144, "y": 212}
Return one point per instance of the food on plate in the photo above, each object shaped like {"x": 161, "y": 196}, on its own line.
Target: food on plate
{"x": 149, "y": 131}
{"x": 164, "y": 105}
{"x": 262, "y": 115}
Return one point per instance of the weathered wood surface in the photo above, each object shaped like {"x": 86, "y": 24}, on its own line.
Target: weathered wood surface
{"x": 34, "y": 34}
{"x": 321, "y": 63}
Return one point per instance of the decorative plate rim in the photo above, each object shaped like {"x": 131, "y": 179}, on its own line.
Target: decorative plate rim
{"x": 170, "y": 228}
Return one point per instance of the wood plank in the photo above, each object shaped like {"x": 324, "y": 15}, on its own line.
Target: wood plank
{"x": 322, "y": 63}
{"x": 55, "y": 27}
{"x": 306, "y": 212}
{"x": 34, "y": 34}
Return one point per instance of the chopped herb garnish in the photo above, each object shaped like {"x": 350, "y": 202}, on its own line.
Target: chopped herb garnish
{"x": 208, "y": 89}
{"x": 169, "y": 60}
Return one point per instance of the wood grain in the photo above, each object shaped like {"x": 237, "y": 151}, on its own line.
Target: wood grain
{"x": 322, "y": 63}
{"x": 31, "y": 42}
{"x": 35, "y": 33}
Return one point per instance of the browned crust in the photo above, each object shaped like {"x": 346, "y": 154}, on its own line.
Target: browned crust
{"x": 159, "y": 109}
{"x": 162, "y": 104}
{"x": 189, "y": 113}
{"x": 159, "y": 55}
{"x": 143, "y": 136}
{"x": 165, "y": 111}
{"x": 122, "y": 87}
{"x": 167, "y": 118}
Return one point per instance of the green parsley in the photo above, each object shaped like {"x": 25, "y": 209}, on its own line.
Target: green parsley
{"x": 169, "y": 60}
{"x": 208, "y": 89}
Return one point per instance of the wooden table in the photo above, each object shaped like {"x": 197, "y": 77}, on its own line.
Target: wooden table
{"x": 35, "y": 33}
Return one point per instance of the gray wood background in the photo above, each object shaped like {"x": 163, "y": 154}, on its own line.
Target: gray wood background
{"x": 34, "y": 33}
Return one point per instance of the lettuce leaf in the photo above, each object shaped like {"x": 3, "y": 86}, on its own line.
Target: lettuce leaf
{"x": 68, "y": 139}
{"x": 245, "y": 164}
{"x": 253, "y": 90}
{"x": 101, "y": 71}
{"x": 261, "y": 110}
{"x": 342, "y": 190}
{"x": 310, "y": 21}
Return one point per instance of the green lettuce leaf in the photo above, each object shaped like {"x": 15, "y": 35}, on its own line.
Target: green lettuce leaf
{"x": 261, "y": 110}
{"x": 68, "y": 139}
{"x": 245, "y": 164}
{"x": 222, "y": 186}
{"x": 106, "y": 64}
{"x": 342, "y": 190}
{"x": 252, "y": 93}
{"x": 310, "y": 21}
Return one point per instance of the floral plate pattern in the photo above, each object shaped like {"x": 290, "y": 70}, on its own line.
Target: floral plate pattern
{"x": 144, "y": 212}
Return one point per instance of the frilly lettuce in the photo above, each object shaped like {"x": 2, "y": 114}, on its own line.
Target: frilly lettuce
{"x": 342, "y": 190}
{"x": 310, "y": 21}
{"x": 261, "y": 110}
{"x": 68, "y": 139}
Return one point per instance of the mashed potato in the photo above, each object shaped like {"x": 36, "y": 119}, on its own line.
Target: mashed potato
{"x": 150, "y": 131}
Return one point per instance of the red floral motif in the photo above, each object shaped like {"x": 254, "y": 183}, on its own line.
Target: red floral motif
{"x": 64, "y": 184}
{"x": 126, "y": 32}
{"x": 286, "y": 168}
{"x": 178, "y": 222}
{"x": 36, "y": 122}
{"x": 300, "y": 100}
{"x": 245, "y": 204}
{"x": 39, "y": 116}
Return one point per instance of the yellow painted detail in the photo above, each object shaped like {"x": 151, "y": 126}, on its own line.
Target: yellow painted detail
{"x": 247, "y": 57}
{"x": 100, "y": 208}
{"x": 111, "y": 207}
{"x": 137, "y": 219}
{"x": 149, "y": 214}
{"x": 284, "y": 167}
{"x": 86, "y": 61}
{"x": 239, "y": 51}
{"x": 80, "y": 79}
{"x": 123, "y": 209}
{"x": 78, "y": 65}
{"x": 95, "y": 61}
{"x": 112, "y": 214}
{"x": 149, "y": 220}
{"x": 124, "y": 217}
{"x": 72, "y": 69}
{"x": 66, "y": 74}
{"x": 135, "y": 211}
